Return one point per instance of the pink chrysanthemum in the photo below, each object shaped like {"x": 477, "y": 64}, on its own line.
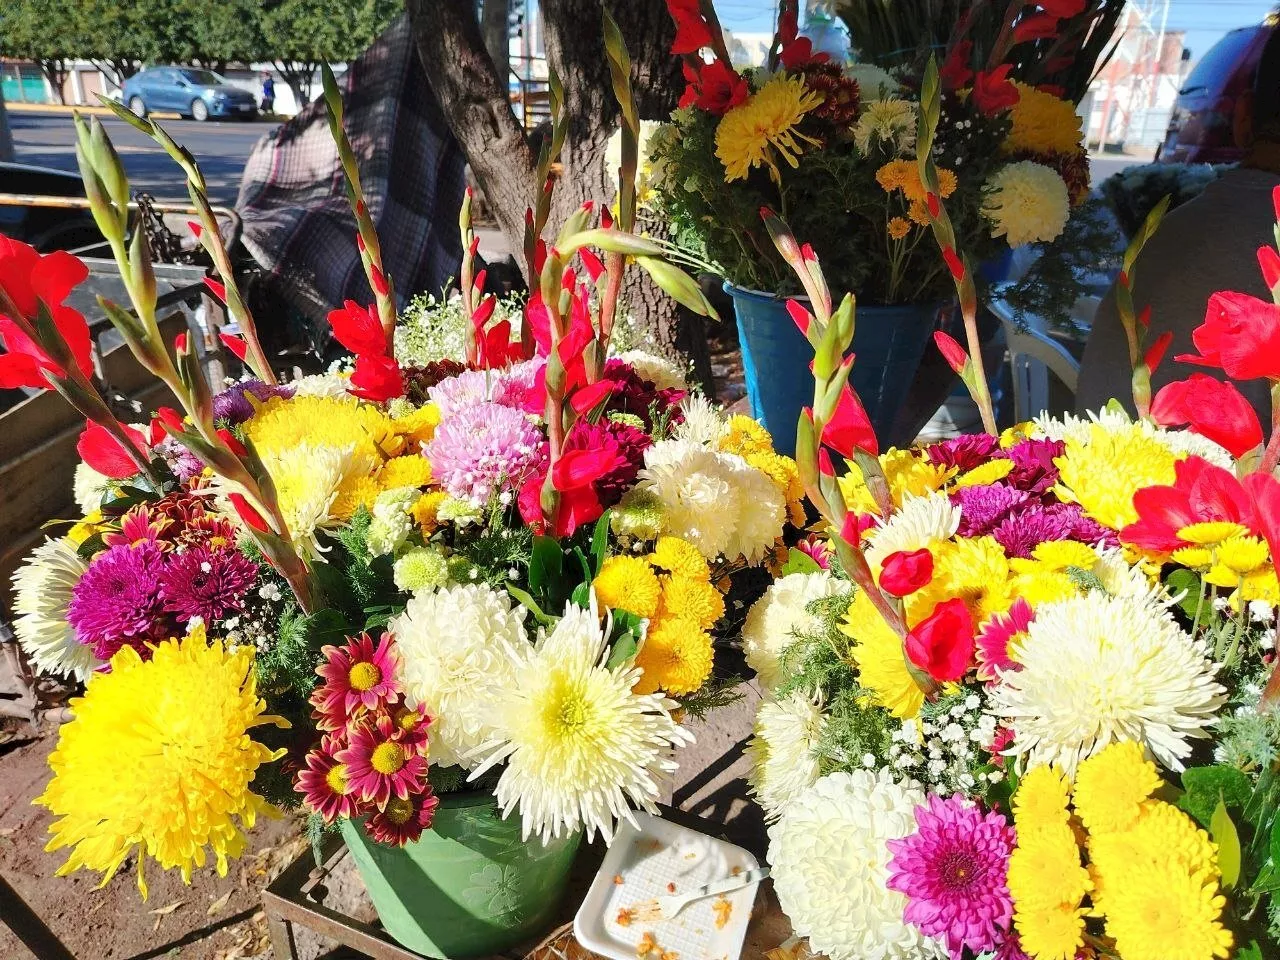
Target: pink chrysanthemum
{"x": 380, "y": 764}
{"x": 520, "y": 386}
{"x": 484, "y": 450}
{"x": 963, "y": 452}
{"x": 402, "y": 821}
{"x": 411, "y": 724}
{"x": 324, "y": 785}
{"x": 118, "y": 601}
{"x": 817, "y": 549}
{"x": 453, "y": 395}
{"x": 953, "y": 872}
{"x": 355, "y": 675}
{"x": 996, "y": 636}
{"x": 211, "y": 584}
{"x": 139, "y": 525}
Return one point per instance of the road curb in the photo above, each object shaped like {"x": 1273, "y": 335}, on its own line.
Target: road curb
{"x": 106, "y": 112}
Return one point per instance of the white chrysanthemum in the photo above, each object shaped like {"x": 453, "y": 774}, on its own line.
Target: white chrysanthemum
{"x": 659, "y": 371}
{"x": 580, "y": 747}
{"x": 919, "y": 523}
{"x": 873, "y": 82}
{"x": 391, "y": 522}
{"x": 704, "y": 422}
{"x": 783, "y": 751}
{"x": 777, "y": 617}
{"x": 41, "y": 594}
{"x": 890, "y": 122}
{"x": 1097, "y": 669}
{"x": 716, "y": 501}
{"x": 830, "y": 859}
{"x": 454, "y": 644}
{"x": 1123, "y": 579}
{"x": 1026, "y": 202}
{"x": 333, "y": 384}
{"x": 307, "y": 479}
{"x": 1070, "y": 427}
{"x": 89, "y": 486}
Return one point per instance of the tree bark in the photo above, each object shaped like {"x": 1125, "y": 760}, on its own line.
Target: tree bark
{"x": 497, "y": 33}
{"x": 474, "y": 97}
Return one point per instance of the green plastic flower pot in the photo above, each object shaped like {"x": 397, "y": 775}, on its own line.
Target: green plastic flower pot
{"x": 469, "y": 887}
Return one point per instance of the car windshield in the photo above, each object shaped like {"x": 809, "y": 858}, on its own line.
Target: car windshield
{"x": 202, "y": 78}
{"x": 1217, "y": 65}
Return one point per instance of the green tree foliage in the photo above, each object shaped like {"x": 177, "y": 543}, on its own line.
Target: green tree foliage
{"x": 302, "y": 34}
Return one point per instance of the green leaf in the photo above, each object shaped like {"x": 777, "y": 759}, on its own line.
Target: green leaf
{"x": 1186, "y": 582}
{"x": 1250, "y": 952}
{"x": 546, "y": 565}
{"x": 1275, "y": 841}
{"x": 1224, "y": 835}
{"x": 1206, "y": 787}
{"x": 679, "y": 285}
{"x": 527, "y": 601}
{"x": 799, "y": 562}
{"x": 581, "y": 596}
{"x": 599, "y": 543}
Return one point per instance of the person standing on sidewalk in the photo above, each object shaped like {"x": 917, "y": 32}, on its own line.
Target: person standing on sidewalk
{"x": 268, "y": 93}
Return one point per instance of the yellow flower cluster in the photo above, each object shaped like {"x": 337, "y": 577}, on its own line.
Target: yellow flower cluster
{"x": 906, "y": 474}
{"x": 1152, "y": 875}
{"x": 904, "y": 176}
{"x": 750, "y": 440}
{"x": 158, "y": 761}
{"x": 1101, "y": 472}
{"x": 672, "y": 589}
{"x": 750, "y": 134}
{"x": 1228, "y": 556}
{"x": 1042, "y": 123}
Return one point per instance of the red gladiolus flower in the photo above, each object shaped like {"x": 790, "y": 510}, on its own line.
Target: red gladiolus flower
{"x": 1201, "y": 493}
{"x": 216, "y": 288}
{"x": 716, "y": 88}
{"x": 1211, "y": 408}
{"x": 248, "y": 513}
{"x": 692, "y": 31}
{"x": 1269, "y": 261}
{"x": 377, "y": 379}
{"x": 850, "y": 428}
{"x": 951, "y": 351}
{"x": 29, "y": 279}
{"x": 799, "y": 53}
{"x": 942, "y": 644}
{"x": 589, "y": 396}
{"x": 358, "y": 329}
{"x": 1035, "y": 26}
{"x": 1061, "y": 8}
{"x": 954, "y": 263}
{"x": 802, "y": 317}
{"x": 591, "y": 263}
{"x": 904, "y": 573}
{"x": 855, "y": 525}
{"x": 1275, "y": 201}
{"x": 233, "y": 444}
{"x": 235, "y": 345}
{"x": 993, "y": 91}
{"x": 1155, "y": 353}
{"x": 102, "y": 451}
{"x": 1240, "y": 335}
{"x": 1264, "y": 494}
{"x": 955, "y": 72}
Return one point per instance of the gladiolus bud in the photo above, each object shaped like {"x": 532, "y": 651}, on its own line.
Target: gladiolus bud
{"x": 245, "y": 510}
{"x": 824, "y": 464}
{"x": 1123, "y": 278}
{"x": 379, "y": 281}
{"x": 233, "y": 444}
{"x": 1275, "y": 201}
{"x": 954, "y": 263}
{"x": 474, "y": 247}
{"x": 1269, "y": 261}
{"x": 606, "y": 218}
{"x": 360, "y": 242}
{"x": 802, "y": 317}
{"x": 1155, "y": 353}
{"x": 216, "y": 288}
{"x": 235, "y": 345}
{"x": 905, "y": 572}
{"x": 955, "y": 355}
{"x": 196, "y": 229}
{"x": 932, "y": 203}
{"x": 1144, "y": 318}
{"x": 470, "y": 192}
{"x": 478, "y": 283}
{"x": 171, "y": 419}
{"x": 180, "y": 343}
{"x": 807, "y": 254}
{"x": 855, "y": 524}
{"x": 588, "y": 206}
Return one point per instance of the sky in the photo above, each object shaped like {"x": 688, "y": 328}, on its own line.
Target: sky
{"x": 1205, "y": 21}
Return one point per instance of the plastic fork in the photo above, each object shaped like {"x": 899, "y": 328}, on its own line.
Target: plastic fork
{"x": 664, "y": 908}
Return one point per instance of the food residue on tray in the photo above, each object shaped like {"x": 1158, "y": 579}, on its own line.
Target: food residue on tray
{"x": 647, "y": 945}
{"x": 624, "y": 917}
{"x": 735, "y": 871}
{"x": 650, "y": 844}
{"x": 723, "y": 911}
{"x": 669, "y": 955}
{"x": 617, "y": 879}
{"x": 671, "y": 888}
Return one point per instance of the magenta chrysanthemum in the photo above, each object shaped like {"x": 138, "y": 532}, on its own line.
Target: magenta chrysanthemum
{"x": 953, "y": 872}
{"x": 199, "y": 582}
{"x": 981, "y": 508}
{"x": 484, "y": 450}
{"x": 963, "y": 452}
{"x": 403, "y": 821}
{"x": 119, "y": 602}
{"x": 996, "y": 635}
{"x": 639, "y": 397}
{"x": 1024, "y": 529}
{"x": 1033, "y": 466}
{"x": 625, "y": 441}
{"x": 323, "y": 783}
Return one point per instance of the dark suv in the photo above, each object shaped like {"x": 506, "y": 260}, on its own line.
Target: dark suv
{"x": 199, "y": 94}
{"x": 1207, "y": 111}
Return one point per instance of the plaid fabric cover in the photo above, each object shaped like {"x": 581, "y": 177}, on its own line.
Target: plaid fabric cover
{"x": 297, "y": 222}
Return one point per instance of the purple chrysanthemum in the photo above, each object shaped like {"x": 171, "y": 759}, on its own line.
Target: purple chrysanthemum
{"x": 1022, "y": 530}
{"x": 963, "y": 452}
{"x": 463, "y": 392}
{"x": 181, "y": 461}
{"x": 199, "y": 582}
{"x": 628, "y": 442}
{"x": 1033, "y": 466}
{"x": 485, "y": 449}
{"x": 232, "y": 405}
{"x": 953, "y": 871}
{"x": 118, "y": 602}
{"x": 981, "y": 508}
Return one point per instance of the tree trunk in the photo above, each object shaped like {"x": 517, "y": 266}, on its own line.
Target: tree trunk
{"x": 299, "y": 78}
{"x": 474, "y": 97}
{"x": 497, "y": 34}
{"x": 55, "y": 72}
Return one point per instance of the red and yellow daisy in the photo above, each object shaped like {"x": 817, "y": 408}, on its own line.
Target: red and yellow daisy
{"x": 402, "y": 821}
{"x": 381, "y": 764}
{"x": 356, "y": 675}
{"x": 324, "y": 785}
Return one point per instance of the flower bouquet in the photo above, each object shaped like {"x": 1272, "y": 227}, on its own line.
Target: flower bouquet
{"x": 1023, "y": 706}
{"x": 834, "y": 148}
{"x": 430, "y": 603}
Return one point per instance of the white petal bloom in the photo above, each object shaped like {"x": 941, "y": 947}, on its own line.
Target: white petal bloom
{"x": 704, "y": 423}
{"x": 777, "y": 617}
{"x": 716, "y": 501}
{"x": 873, "y": 82}
{"x": 580, "y": 747}
{"x": 1096, "y": 669}
{"x": 333, "y": 384}
{"x": 659, "y": 371}
{"x": 830, "y": 858}
{"x": 391, "y": 523}
{"x": 89, "y": 487}
{"x": 919, "y": 523}
{"x": 42, "y": 592}
{"x": 454, "y": 644}
{"x": 1070, "y": 427}
{"x": 783, "y": 751}
{"x": 307, "y": 479}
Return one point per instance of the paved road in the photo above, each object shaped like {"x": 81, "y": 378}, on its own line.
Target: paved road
{"x": 1101, "y": 167}
{"x": 221, "y": 147}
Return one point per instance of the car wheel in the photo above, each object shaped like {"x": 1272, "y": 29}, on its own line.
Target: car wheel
{"x": 199, "y": 110}
{"x": 137, "y": 107}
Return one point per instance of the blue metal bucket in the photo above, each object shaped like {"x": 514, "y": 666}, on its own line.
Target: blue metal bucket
{"x": 889, "y": 342}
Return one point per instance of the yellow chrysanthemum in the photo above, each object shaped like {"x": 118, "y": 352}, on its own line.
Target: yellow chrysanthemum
{"x": 283, "y": 423}
{"x": 158, "y": 761}
{"x": 751, "y": 133}
{"x": 1042, "y": 123}
{"x": 1259, "y": 585}
{"x": 895, "y": 175}
{"x": 889, "y": 122}
{"x": 745, "y": 436}
{"x": 785, "y": 474}
{"x": 1101, "y": 472}
{"x": 905, "y": 473}
{"x": 1054, "y": 555}
{"x": 1012, "y": 436}
{"x": 308, "y": 480}
{"x": 1159, "y": 915}
{"x": 408, "y": 471}
{"x": 904, "y": 175}
{"x": 1054, "y": 933}
{"x": 86, "y": 528}
{"x": 420, "y": 425}
{"x": 426, "y": 509}
{"x": 628, "y": 583}
{"x": 1043, "y": 586}
{"x": 1111, "y": 786}
{"x": 985, "y": 474}
{"x": 1211, "y": 533}
{"x": 676, "y": 657}
{"x": 358, "y": 492}
{"x": 1041, "y": 798}
{"x": 882, "y": 666}
{"x": 1243, "y": 555}
{"x": 1045, "y": 870}
{"x": 1026, "y": 202}
{"x": 898, "y": 228}
{"x": 918, "y": 213}
{"x": 680, "y": 557}
{"x": 690, "y": 599}
{"x": 1162, "y": 837}
{"x": 976, "y": 570}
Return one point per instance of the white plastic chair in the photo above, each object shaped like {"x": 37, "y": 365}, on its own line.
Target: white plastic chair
{"x": 1033, "y": 353}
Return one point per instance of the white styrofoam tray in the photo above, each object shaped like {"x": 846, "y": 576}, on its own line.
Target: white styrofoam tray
{"x": 649, "y": 860}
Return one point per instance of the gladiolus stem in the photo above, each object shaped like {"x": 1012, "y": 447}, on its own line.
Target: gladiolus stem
{"x": 1271, "y": 456}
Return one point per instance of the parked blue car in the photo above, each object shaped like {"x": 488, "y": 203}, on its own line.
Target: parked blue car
{"x": 191, "y": 92}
